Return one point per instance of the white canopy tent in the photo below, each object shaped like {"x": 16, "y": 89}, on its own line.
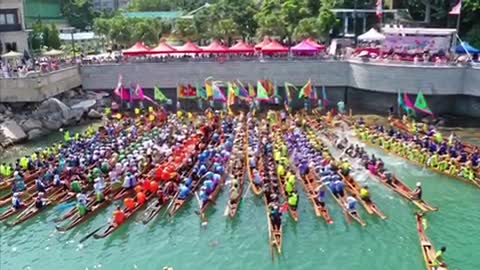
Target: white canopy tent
{"x": 371, "y": 35}
{"x": 12, "y": 54}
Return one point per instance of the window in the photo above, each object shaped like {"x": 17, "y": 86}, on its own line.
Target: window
{"x": 8, "y": 17}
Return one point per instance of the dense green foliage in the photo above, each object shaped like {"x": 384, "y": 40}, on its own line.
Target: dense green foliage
{"x": 288, "y": 20}
{"x": 44, "y": 36}
{"x": 79, "y": 13}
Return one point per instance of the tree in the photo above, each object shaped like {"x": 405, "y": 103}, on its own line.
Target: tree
{"x": 53, "y": 41}
{"x": 121, "y": 31}
{"x": 147, "y": 30}
{"x": 186, "y": 29}
{"x": 37, "y": 36}
{"x": 225, "y": 29}
{"x": 291, "y": 12}
{"x": 308, "y": 27}
{"x": 241, "y": 12}
{"x": 326, "y": 19}
{"x": 79, "y": 13}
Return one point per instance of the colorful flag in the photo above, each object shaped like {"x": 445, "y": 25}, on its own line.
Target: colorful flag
{"x": 158, "y": 95}
{"x": 243, "y": 92}
{"x": 457, "y": 9}
{"x": 209, "y": 89}
{"x": 306, "y": 90}
{"x": 230, "y": 96}
{"x": 251, "y": 90}
{"x": 421, "y": 104}
{"x": 261, "y": 92}
{"x": 400, "y": 100}
{"x": 324, "y": 97}
{"x": 201, "y": 92}
{"x": 187, "y": 92}
{"x": 139, "y": 93}
{"x": 288, "y": 94}
{"x": 313, "y": 94}
{"x": 408, "y": 103}
{"x": 218, "y": 94}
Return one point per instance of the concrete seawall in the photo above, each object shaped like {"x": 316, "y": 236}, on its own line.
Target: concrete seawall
{"x": 365, "y": 86}
{"x": 39, "y": 88}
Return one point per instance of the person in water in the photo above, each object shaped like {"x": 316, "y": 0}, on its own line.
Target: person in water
{"x": 417, "y": 193}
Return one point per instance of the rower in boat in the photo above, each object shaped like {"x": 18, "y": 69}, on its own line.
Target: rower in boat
{"x": 417, "y": 193}
{"x": 184, "y": 191}
{"x": 99, "y": 187}
{"x": 76, "y": 186}
{"x": 118, "y": 217}
{"x": 40, "y": 201}
{"x": 130, "y": 181}
{"x": 321, "y": 193}
{"x": 365, "y": 194}
{"x": 129, "y": 203}
{"x": 40, "y": 185}
{"x": 437, "y": 262}
{"x": 293, "y": 200}
{"x": 17, "y": 201}
{"x": 82, "y": 201}
{"x": 276, "y": 217}
{"x": 351, "y": 205}
{"x": 19, "y": 182}
{"x": 338, "y": 187}
{"x": 257, "y": 179}
{"x": 140, "y": 196}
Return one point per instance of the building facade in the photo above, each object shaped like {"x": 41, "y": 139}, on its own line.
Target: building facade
{"x": 13, "y": 36}
{"x": 109, "y": 5}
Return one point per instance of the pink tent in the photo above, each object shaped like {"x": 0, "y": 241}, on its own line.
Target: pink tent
{"x": 189, "y": 47}
{"x": 215, "y": 47}
{"x": 274, "y": 47}
{"x": 304, "y": 48}
{"x": 163, "y": 48}
{"x": 138, "y": 49}
{"x": 265, "y": 42}
{"x": 314, "y": 43}
{"x": 241, "y": 47}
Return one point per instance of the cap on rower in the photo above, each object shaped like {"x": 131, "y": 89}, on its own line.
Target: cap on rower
{"x": 419, "y": 184}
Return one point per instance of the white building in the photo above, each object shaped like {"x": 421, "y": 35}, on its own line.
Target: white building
{"x": 12, "y": 26}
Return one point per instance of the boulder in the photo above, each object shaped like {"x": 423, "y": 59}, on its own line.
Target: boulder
{"x": 36, "y": 133}
{"x": 53, "y": 105}
{"x": 85, "y": 105}
{"x": 52, "y": 124}
{"x": 12, "y": 131}
{"x": 30, "y": 124}
{"x": 3, "y": 108}
{"x": 94, "y": 114}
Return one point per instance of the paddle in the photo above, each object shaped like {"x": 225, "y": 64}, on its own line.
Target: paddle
{"x": 93, "y": 232}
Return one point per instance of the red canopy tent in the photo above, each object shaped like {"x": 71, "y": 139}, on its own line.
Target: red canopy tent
{"x": 265, "y": 42}
{"x": 215, "y": 47}
{"x": 274, "y": 47}
{"x": 314, "y": 43}
{"x": 189, "y": 47}
{"x": 241, "y": 47}
{"x": 163, "y": 48}
{"x": 138, "y": 49}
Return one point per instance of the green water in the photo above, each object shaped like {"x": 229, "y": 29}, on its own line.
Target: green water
{"x": 243, "y": 243}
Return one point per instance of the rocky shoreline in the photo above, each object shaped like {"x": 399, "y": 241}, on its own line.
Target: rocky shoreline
{"x": 26, "y": 121}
